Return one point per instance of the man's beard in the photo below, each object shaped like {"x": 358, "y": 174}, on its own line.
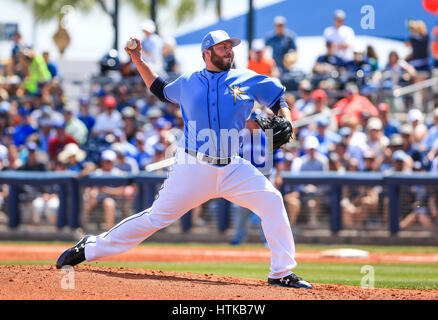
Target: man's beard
{"x": 219, "y": 62}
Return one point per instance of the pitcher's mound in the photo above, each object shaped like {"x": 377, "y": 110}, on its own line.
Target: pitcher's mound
{"x": 87, "y": 282}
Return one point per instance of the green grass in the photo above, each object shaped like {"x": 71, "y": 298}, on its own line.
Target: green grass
{"x": 387, "y": 275}
{"x": 299, "y": 247}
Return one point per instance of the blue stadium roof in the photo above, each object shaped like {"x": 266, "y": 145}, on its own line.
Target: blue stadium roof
{"x": 311, "y": 17}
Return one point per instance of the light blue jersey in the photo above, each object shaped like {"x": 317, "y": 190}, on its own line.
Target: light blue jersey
{"x": 215, "y": 105}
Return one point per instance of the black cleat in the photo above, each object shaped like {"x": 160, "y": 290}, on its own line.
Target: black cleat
{"x": 74, "y": 255}
{"x": 290, "y": 281}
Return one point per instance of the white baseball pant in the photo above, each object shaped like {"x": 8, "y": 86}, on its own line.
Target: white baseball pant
{"x": 192, "y": 182}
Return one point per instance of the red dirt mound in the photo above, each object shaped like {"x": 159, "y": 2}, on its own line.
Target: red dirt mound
{"x": 89, "y": 283}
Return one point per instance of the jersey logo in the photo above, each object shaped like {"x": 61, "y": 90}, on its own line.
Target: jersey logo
{"x": 236, "y": 92}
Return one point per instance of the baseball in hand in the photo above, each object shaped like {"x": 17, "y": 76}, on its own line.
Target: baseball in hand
{"x": 131, "y": 44}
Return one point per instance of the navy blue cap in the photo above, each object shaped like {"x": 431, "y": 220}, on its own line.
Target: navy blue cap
{"x": 214, "y": 37}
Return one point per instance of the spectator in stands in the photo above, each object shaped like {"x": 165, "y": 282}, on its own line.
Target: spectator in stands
{"x": 376, "y": 140}
{"x": 17, "y": 49}
{"x": 161, "y": 140}
{"x": 130, "y": 122}
{"x": 51, "y": 65}
{"x": 45, "y": 132}
{"x": 60, "y": 140}
{"x": 259, "y": 62}
{"x": 73, "y": 126}
{"x": 72, "y": 157}
{"x": 38, "y": 75}
{"x": 45, "y": 201}
{"x": 390, "y": 125}
{"x": 327, "y": 139}
{"x": 341, "y": 36}
{"x": 335, "y": 163}
{"x": 152, "y": 46}
{"x": 358, "y": 202}
{"x": 353, "y": 104}
{"x": 328, "y": 65}
{"x": 124, "y": 97}
{"x": 109, "y": 119}
{"x": 311, "y": 195}
{"x": 105, "y": 195}
{"x": 372, "y": 58}
{"x": 418, "y": 42}
{"x": 407, "y": 145}
{"x": 24, "y": 129}
{"x": 144, "y": 156}
{"x": 282, "y": 42}
{"x": 123, "y": 161}
{"x": 170, "y": 64}
{"x": 419, "y": 129}
{"x": 84, "y": 114}
{"x": 358, "y": 70}
{"x": 397, "y": 72}
{"x": 423, "y": 208}
{"x": 305, "y": 100}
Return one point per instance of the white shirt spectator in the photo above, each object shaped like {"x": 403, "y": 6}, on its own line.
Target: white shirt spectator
{"x": 108, "y": 122}
{"x": 341, "y": 35}
{"x": 153, "y": 51}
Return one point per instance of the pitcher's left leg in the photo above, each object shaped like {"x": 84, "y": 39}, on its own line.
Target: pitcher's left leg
{"x": 248, "y": 188}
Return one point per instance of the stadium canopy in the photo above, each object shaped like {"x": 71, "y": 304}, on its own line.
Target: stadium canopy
{"x": 310, "y": 18}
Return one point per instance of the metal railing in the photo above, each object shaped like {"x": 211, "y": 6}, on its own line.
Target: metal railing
{"x": 70, "y": 198}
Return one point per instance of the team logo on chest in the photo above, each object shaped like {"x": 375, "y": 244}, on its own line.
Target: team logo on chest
{"x": 236, "y": 92}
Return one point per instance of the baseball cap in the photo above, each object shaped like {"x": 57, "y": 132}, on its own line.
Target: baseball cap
{"x": 162, "y": 123}
{"x": 214, "y": 37}
{"x": 395, "y": 140}
{"x": 340, "y": 14}
{"x": 383, "y": 106}
{"x": 311, "y": 142}
{"x": 345, "y": 131}
{"x": 109, "y": 102}
{"x": 148, "y": 26}
{"x": 258, "y": 45}
{"x": 415, "y": 114}
{"x": 322, "y": 121}
{"x": 374, "y": 124}
{"x": 369, "y": 154}
{"x": 31, "y": 146}
{"x": 109, "y": 155}
{"x": 280, "y": 20}
{"x": 399, "y": 155}
{"x": 128, "y": 112}
{"x": 319, "y": 94}
{"x": 59, "y": 123}
{"x": 406, "y": 129}
{"x": 83, "y": 100}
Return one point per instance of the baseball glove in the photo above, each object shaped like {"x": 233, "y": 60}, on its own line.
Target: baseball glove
{"x": 281, "y": 129}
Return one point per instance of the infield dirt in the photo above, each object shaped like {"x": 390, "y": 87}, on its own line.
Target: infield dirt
{"x": 97, "y": 282}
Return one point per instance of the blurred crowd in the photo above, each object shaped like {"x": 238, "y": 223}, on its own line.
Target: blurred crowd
{"x": 121, "y": 127}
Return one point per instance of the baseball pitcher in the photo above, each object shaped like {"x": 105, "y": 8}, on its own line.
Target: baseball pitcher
{"x": 215, "y": 104}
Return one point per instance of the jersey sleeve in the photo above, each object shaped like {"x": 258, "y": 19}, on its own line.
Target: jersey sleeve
{"x": 172, "y": 91}
{"x": 265, "y": 90}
